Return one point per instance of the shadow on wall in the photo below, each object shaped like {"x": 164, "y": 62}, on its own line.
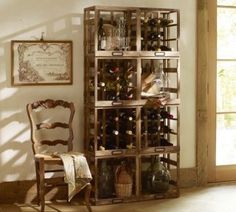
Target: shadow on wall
{"x": 16, "y": 157}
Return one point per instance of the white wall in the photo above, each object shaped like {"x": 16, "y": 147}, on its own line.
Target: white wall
{"x": 63, "y": 19}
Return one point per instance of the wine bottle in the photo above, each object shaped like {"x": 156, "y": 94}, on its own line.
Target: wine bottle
{"x": 102, "y": 38}
{"x": 123, "y": 82}
{"x": 129, "y": 84}
{"x": 129, "y": 71}
{"x": 122, "y": 144}
{"x": 112, "y": 68}
{"x": 113, "y": 96}
{"x": 144, "y": 115}
{"x": 105, "y": 179}
{"x": 165, "y": 114}
{"x": 111, "y": 143}
{"x": 144, "y": 20}
{"x": 152, "y": 114}
{"x": 152, "y": 22}
{"x": 129, "y": 95}
{"x": 152, "y": 47}
{"x": 109, "y": 130}
{"x": 129, "y": 132}
{"x": 111, "y": 85}
{"x": 164, "y": 128}
{"x": 164, "y": 22}
{"x": 99, "y": 143}
{"x": 165, "y": 48}
{"x": 91, "y": 145}
{"x": 127, "y": 116}
{"x": 112, "y": 117}
{"x": 165, "y": 142}
{"x": 101, "y": 84}
{"x": 155, "y": 36}
{"x": 152, "y": 129}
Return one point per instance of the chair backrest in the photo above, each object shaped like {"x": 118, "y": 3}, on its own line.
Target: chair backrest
{"x": 35, "y": 113}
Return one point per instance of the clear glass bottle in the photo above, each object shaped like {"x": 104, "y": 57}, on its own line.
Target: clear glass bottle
{"x": 106, "y": 183}
{"x": 102, "y": 38}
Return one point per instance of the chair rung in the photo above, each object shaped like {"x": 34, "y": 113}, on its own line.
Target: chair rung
{"x": 54, "y": 170}
{"x": 55, "y": 185}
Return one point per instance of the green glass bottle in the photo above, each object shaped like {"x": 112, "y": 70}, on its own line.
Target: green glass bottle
{"x": 158, "y": 177}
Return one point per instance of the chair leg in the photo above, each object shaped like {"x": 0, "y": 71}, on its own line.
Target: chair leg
{"x": 37, "y": 181}
{"x": 41, "y": 183}
{"x": 87, "y": 196}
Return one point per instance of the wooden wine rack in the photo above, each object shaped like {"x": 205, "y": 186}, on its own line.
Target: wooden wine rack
{"x": 115, "y": 81}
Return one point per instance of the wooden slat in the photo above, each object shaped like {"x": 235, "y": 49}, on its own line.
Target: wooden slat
{"x": 170, "y": 70}
{"x": 54, "y": 142}
{"x": 173, "y": 90}
{"x": 49, "y": 103}
{"x": 52, "y": 125}
{"x": 169, "y": 161}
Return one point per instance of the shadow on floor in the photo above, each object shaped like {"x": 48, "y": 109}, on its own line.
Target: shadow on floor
{"x": 50, "y": 207}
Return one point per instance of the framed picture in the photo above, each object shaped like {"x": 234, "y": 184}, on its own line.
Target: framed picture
{"x": 41, "y": 62}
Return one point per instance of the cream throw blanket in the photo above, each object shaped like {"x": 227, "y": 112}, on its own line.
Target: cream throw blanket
{"x": 77, "y": 172}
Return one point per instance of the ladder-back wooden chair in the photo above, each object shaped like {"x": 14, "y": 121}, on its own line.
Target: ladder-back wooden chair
{"x": 45, "y": 149}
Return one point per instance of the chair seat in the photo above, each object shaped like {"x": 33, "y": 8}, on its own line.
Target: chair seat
{"x": 49, "y": 158}
{"x": 52, "y": 158}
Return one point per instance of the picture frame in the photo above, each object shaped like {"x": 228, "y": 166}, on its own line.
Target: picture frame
{"x": 41, "y": 62}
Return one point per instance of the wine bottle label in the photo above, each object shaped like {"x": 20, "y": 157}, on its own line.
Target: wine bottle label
{"x": 130, "y": 118}
{"x": 145, "y": 117}
{"x": 129, "y": 132}
{"x": 102, "y": 84}
{"x": 130, "y": 84}
{"x": 115, "y": 132}
{"x": 103, "y": 44}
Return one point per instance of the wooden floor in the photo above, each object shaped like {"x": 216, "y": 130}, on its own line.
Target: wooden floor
{"x": 214, "y": 198}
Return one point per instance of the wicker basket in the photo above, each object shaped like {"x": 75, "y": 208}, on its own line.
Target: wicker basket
{"x": 123, "y": 190}
{"x": 123, "y": 181}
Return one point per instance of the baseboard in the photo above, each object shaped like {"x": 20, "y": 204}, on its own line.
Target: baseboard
{"x": 25, "y": 191}
{"x": 188, "y": 177}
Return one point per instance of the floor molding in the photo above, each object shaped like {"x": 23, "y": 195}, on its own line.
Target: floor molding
{"x": 188, "y": 177}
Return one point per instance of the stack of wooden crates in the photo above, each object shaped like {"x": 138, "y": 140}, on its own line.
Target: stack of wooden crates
{"x": 131, "y": 100}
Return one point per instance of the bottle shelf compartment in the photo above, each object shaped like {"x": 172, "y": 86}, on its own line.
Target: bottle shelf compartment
{"x": 117, "y": 80}
{"x": 159, "y": 30}
{"x": 159, "y": 127}
{"x": 160, "y": 78}
{"x": 159, "y": 176}
{"x": 114, "y": 83}
{"x": 114, "y": 179}
{"x": 114, "y": 132}
{"x": 116, "y": 30}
